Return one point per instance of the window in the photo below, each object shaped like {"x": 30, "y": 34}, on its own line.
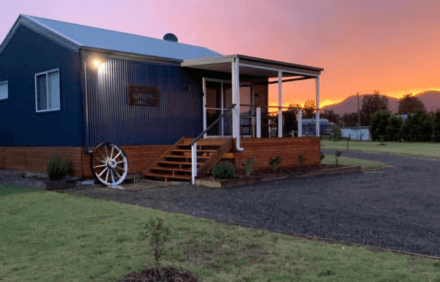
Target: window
{"x": 3, "y": 90}
{"x": 47, "y": 91}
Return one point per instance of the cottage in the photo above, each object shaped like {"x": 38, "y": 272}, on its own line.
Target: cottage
{"x": 116, "y": 104}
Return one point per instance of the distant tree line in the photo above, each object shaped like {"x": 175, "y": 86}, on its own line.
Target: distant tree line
{"x": 419, "y": 126}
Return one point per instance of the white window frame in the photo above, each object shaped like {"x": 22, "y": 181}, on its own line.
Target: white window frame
{"x": 7, "y": 89}
{"x": 47, "y": 89}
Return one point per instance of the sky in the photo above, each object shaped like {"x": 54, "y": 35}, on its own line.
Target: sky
{"x": 363, "y": 45}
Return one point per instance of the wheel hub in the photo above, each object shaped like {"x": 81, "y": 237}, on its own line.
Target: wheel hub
{"x": 111, "y": 164}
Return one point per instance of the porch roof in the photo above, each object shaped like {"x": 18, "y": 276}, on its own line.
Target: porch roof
{"x": 253, "y": 66}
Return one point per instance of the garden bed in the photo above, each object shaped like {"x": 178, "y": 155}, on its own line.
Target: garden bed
{"x": 36, "y": 180}
{"x": 281, "y": 173}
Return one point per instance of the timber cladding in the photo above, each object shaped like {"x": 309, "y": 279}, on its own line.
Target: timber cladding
{"x": 139, "y": 158}
{"x": 34, "y": 159}
{"x": 288, "y": 148}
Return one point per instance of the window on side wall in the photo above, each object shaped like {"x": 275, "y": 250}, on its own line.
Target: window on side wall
{"x": 3, "y": 90}
{"x": 47, "y": 91}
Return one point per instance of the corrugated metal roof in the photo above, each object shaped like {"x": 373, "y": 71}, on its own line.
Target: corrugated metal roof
{"x": 87, "y": 36}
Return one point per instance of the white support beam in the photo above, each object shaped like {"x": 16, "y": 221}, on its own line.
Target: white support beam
{"x": 193, "y": 163}
{"x": 317, "y": 106}
{"x": 275, "y": 69}
{"x": 280, "y": 104}
{"x": 258, "y": 122}
{"x": 236, "y": 98}
{"x": 300, "y": 123}
{"x": 204, "y": 106}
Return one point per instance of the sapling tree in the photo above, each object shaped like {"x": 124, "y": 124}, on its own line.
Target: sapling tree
{"x": 300, "y": 160}
{"x": 337, "y": 155}
{"x": 158, "y": 234}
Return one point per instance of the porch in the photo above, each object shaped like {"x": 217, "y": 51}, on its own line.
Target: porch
{"x": 238, "y": 122}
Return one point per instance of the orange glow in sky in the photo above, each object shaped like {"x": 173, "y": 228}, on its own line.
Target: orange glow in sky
{"x": 391, "y": 46}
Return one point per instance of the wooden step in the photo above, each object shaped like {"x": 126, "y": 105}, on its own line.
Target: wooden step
{"x": 189, "y": 151}
{"x": 167, "y": 176}
{"x": 173, "y": 169}
{"x": 177, "y": 163}
{"x": 184, "y": 157}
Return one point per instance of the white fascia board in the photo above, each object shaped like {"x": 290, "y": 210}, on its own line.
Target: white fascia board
{"x": 207, "y": 61}
{"x": 41, "y": 29}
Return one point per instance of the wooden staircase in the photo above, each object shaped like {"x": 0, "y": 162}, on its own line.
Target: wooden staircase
{"x": 175, "y": 163}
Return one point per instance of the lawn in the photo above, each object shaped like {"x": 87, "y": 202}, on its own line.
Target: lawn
{"x": 48, "y": 236}
{"x": 431, "y": 150}
{"x": 365, "y": 165}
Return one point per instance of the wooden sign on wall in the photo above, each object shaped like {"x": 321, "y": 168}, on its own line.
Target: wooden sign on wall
{"x": 143, "y": 95}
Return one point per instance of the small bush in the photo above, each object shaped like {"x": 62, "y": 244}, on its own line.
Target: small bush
{"x": 57, "y": 168}
{"x": 321, "y": 155}
{"x": 248, "y": 166}
{"x": 273, "y": 162}
{"x": 337, "y": 155}
{"x": 223, "y": 171}
{"x": 300, "y": 159}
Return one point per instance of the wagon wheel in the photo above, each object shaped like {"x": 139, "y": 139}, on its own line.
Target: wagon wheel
{"x": 109, "y": 164}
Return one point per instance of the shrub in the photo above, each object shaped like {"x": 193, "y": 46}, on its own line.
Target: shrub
{"x": 273, "y": 162}
{"x": 394, "y": 128}
{"x": 436, "y": 126}
{"x": 418, "y": 127}
{"x": 248, "y": 166}
{"x": 379, "y": 122}
{"x": 300, "y": 159}
{"x": 321, "y": 155}
{"x": 57, "y": 168}
{"x": 337, "y": 155}
{"x": 337, "y": 132}
{"x": 223, "y": 171}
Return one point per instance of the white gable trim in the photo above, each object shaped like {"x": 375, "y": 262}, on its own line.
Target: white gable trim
{"x": 42, "y": 30}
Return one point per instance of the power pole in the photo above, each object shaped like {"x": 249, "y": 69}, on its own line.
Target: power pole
{"x": 359, "y": 111}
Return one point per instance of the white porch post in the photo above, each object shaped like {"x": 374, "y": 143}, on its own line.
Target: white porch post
{"x": 300, "y": 128}
{"x": 280, "y": 104}
{"x": 258, "y": 122}
{"x": 317, "y": 106}
{"x": 204, "y": 105}
{"x": 236, "y": 99}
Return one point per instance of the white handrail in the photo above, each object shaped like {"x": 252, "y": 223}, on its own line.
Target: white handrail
{"x": 258, "y": 122}
{"x": 193, "y": 163}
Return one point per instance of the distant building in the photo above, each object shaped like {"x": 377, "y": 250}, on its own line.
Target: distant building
{"x": 309, "y": 126}
{"x": 356, "y": 133}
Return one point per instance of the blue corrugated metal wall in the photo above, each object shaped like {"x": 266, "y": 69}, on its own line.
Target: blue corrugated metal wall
{"x": 111, "y": 118}
{"x": 29, "y": 53}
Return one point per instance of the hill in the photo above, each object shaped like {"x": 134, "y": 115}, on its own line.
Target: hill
{"x": 431, "y": 99}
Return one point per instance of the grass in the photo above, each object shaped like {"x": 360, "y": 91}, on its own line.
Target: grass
{"x": 431, "y": 150}
{"x": 48, "y": 236}
{"x": 365, "y": 165}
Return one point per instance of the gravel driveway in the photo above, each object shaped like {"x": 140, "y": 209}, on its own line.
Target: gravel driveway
{"x": 397, "y": 208}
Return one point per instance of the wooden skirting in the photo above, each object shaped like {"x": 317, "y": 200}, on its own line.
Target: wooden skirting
{"x": 288, "y": 148}
{"x": 34, "y": 159}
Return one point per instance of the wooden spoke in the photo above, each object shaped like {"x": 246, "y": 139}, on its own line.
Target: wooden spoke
{"x": 102, "y": 161}
{"x": 117, "y": 174}
{"x": 106, "y": 176}
{"x": 103, "y": 171}
{"x": 106, "y": 150}
{"x": 117, "y": 155}
{"x": 111, "y": 153}
{"x": 100, "y": 165}
{"x": 113, "y": 176}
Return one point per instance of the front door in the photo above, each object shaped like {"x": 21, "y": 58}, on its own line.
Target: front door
{"x": 218, "y": 98}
